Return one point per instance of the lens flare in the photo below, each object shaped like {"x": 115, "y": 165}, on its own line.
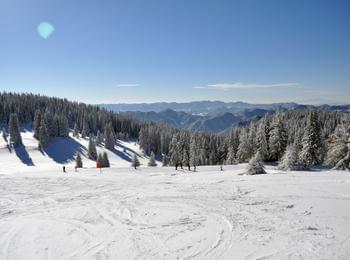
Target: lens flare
{"x": 45, "y": 30}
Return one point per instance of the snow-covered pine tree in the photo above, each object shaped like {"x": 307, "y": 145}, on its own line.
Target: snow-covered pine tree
{"x": 339, "y": 147}
{"x": 152, "y": 160}
{"x": 92, "y": 153}
{"x": 99, "y": 138}
{"x": 105, "y": 160}
{"x": 278, "y": 138}
{"x": 14, "y": 131}
{"x": 256, "y": 165}
{"x": 290, "y": 160}
{"x": 311, "y": 153}
{"x": 76, "y": 130}
{"x": 194, "y": 152}
{"x": 232, "y": 147}
{"x": 135, "y": 162}
{"x": 86, "y": 129}
{"x": 109, "y": 137}
{"x": 186, "y": 150}
{"x": 244, "y": 148}
{"x": 175, "y": 150}
{"x": 78, "y": 161}
{"x": 262, "y": 139}
{"x": 63, "y": 126}
{"x": 36, "y": 123}
{"x": 44, "y": 137}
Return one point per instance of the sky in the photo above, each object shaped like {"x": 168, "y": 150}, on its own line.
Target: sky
{"x": 132, "y": 51}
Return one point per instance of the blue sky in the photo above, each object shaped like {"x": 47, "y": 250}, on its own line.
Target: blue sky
{"x": 111, "y": 51}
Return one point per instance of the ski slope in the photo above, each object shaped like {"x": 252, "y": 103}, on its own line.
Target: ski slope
{"x": 160, "y": 213}
{"x": 61, "y": 151}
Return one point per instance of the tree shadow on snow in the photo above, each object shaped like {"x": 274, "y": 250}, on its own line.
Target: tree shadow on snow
{"x": 124, "y": 156}
{"x": 63, "y": 150}
{"x": 127, "y": 149}
{"x": 23, "y": 155}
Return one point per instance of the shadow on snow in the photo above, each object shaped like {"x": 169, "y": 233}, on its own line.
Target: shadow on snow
{"x": 63, "y": 150}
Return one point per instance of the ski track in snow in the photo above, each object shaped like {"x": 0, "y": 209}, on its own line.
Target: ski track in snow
{"x": 163, "y": 214}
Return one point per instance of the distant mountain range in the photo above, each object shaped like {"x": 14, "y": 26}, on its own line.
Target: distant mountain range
{"x": 209, "y": 116}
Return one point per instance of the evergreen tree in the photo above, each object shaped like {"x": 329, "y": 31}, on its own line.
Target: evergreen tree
{"x": 105, "y": 160}
{"x": 256, "y": 165}
{"x": 175, "y": 149}
{"x": 289, "y": 161}
{"x": 86, "y": 129}
{"x": 152, "y": 160}
{"x": 339, "y": 147}
{"x": 262, "y": 139}
{"x": 278, "y": 138}
{"x": 244, "y": 148}
{"x": 109, "y": 137}
{"x": 78, "y": 161}
{"x": 194, "y": 152}
{"x": 99, "y": 138}
{"x": 15, "y": 134}
{"x": 135, "y": 162}
{"x": 92, "y": 153}
{"x": 311, "y": 153}
{"x": 63, "y": 126}
{"x": 233, "y": 144}
{"x": 44, "y": 137}
{"x": 36, "y": 123}
{"x": 76, "y": 130}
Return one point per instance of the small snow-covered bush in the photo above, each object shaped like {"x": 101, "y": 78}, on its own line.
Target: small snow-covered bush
{"x": 256, "y": 165}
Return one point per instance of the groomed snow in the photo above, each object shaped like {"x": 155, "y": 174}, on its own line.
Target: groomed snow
{"x": 160, "y": 213}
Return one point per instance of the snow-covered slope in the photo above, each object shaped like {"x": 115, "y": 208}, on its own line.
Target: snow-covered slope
{"x": 160, "y": 213}
{"x": 61, "y": 151}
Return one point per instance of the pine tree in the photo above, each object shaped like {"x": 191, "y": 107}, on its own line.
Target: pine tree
{"x": 63, "y": 126}
{"x": 289, "y": 161}
{"x": 339, "y": 147}
{"x": 233, "y": 144}
{"x": 175, "y": 149}
{"x": 99, "y": 138}
{"x": 152, "y": 160}
{"x": 78, "y": 161}
{"x": 194, "y": 152}
{"x": 15, "y": 134}
{"x": 76, "y": 130}
{"x": 244, "y": 148}
{"x": 36, "y": 123}
{"x": 262, "y": 140}
{"x": 311, "y": 153}
{"x": 105, "y": 160}
{"x": 135, "y": 162}
{"x": 44, "y": 137}
{"x": 86, "y": 129}
{"x": 92, "y": 153}
{"x": 278, "y": 138}
{"x": 256, "y": 165}
{"x": 109, "y": 137}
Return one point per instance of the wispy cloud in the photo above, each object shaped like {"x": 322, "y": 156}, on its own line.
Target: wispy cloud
{"x": 127, "y": 85}
{"x": 239, "y": 85}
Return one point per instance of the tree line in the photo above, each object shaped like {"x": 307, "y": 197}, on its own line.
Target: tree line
{"x": 297, "y": 139}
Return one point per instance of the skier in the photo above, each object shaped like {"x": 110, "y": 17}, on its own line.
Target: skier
{"x": 64, "y": 168}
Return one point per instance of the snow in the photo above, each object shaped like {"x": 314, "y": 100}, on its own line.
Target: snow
{"x": 160, "y": 213}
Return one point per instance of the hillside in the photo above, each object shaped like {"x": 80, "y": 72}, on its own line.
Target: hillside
{"x": 61, "y": 151}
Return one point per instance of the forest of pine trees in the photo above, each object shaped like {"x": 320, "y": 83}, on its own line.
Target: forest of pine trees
{"x": 295, "y": 139}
